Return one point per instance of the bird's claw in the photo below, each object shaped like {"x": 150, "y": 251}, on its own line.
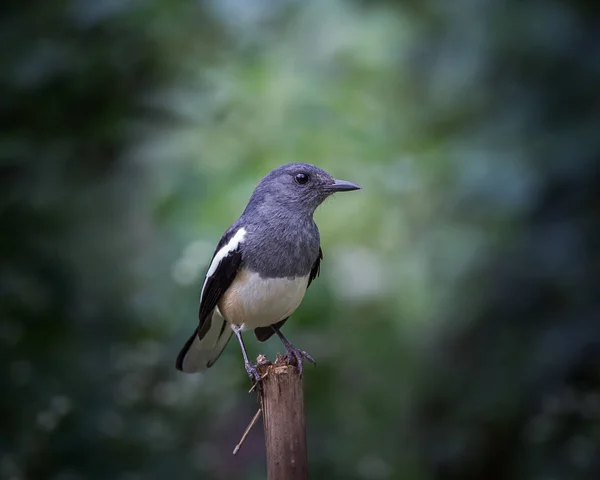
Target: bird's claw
{"x": 297, "y": 356}
{"x": 254, "y": 374}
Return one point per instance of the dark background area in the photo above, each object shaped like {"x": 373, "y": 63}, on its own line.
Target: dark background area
{"x": 456, "y": 320}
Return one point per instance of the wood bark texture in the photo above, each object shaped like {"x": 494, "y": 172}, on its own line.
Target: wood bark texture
{"x": 284, "y": 423}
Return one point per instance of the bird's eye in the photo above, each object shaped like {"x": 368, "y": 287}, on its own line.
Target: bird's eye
{"x": 301, "y": 178}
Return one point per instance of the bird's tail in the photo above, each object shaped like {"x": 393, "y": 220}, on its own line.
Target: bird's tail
{"x": 200, "y": 353}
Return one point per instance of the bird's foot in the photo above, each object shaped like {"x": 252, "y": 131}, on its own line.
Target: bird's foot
{"x": 297, "y": 356}
{"x": 253, "y": 372}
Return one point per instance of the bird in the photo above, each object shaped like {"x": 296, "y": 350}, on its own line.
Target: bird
{"x": 262, "y": 267}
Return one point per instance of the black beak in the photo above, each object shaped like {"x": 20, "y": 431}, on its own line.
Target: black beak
{"x": 342, "y": 186}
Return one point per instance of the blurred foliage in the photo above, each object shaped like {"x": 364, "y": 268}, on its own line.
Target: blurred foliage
{"x": 455, "y": 322}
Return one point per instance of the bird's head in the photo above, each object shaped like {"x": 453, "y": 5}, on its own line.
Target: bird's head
{"x": 298, "y": 186}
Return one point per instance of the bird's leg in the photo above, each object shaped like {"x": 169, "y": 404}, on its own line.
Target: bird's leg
{"x": 293, "y": 353}
{"x": 253, "y": 372}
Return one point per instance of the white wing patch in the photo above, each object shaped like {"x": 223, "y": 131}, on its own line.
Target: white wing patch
{"x": 221, "y": 254}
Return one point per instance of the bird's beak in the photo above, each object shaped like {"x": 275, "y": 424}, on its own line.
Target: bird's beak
{"x": 342, "y": 186}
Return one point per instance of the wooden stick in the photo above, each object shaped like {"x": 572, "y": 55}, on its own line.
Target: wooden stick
{"x": 283, "y": 415}
{"x": 247, "y": 431}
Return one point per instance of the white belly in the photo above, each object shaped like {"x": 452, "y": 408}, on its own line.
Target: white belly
{"x": 252, "y": 301}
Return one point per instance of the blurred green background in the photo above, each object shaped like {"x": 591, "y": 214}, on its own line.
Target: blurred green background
{"x": 456, "y": 320}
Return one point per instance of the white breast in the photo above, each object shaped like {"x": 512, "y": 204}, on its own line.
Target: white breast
{"x": 252, "y": 301}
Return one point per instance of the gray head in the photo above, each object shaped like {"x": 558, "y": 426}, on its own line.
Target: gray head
{"x": 298, "y": 186}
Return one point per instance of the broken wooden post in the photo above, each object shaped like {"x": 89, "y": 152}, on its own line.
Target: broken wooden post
{"x": 282, "y": 402}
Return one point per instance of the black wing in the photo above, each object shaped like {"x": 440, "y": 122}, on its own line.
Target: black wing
{"x": 264, "y": 333}
{"x": 215, "y": 285}
{"x": 213, "y": 288}
{"x": 316, "y": 268}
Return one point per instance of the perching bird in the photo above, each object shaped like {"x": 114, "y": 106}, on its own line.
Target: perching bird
{"x": 262, "y": 267}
